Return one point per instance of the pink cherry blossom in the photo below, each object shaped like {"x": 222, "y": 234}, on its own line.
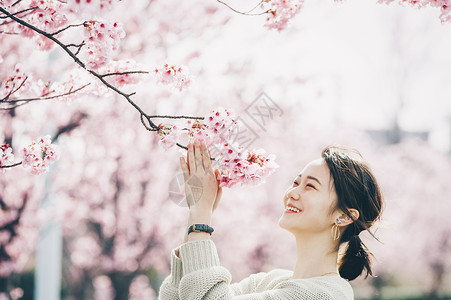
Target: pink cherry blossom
{"x": 280, "y": 12}
{"x": 176, "y": 77}
{"x": 121, "y": 67}
{"x": 49, "y": 16}
{"x": 38, "y": 155}
{"x": 6, "y": 156}
{"x": 18, "y": 78}
{"x": 102, "y": 40}
{"x": 221, "y": 124}
{"x": 240, "y": 166}
{"x": 169, "y": 135}
{"x": 444, "y": 5}
{"x": 78, "y": 6}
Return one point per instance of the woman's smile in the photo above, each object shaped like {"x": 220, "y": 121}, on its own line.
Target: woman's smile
{"x": 291, "y": 209}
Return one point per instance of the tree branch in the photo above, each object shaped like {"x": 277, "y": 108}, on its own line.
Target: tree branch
{"x": 124, "y": 73}
{"x": 28, "y": 100}
{"x": 11, "y": 166}
{"x": 176, "y": 117}
{"x": 13, "y": 90}
{"x": 19, "y": 12}
{"x": 67, "y": 27}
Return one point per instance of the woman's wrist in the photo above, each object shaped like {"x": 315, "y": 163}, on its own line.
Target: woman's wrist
{"x": 198, "y": 235}
{"x": 198, "y": 217}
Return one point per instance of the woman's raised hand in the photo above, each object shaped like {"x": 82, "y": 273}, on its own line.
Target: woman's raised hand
{"x": 201, "y": 186}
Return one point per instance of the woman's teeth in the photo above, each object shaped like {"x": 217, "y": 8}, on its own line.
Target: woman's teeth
{"x": 293, "y": 209}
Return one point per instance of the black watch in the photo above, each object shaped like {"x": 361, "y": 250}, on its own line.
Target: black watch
{"x": 199, "y": 228}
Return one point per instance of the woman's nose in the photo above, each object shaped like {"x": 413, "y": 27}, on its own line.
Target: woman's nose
{"x": 293, "y": 194}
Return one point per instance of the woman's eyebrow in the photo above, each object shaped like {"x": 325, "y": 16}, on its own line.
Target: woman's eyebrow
{"x": 311, "y": 177}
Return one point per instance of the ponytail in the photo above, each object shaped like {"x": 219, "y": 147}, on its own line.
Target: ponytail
{"x": 355, "y": 259}
{"x": 357, "y": 189}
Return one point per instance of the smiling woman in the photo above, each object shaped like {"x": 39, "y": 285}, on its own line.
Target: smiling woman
{"x": 331, "y": 201}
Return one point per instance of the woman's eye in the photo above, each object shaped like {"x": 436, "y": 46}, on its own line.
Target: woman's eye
{"x": 311, "y": 185}
{"x": 295, "y": 183}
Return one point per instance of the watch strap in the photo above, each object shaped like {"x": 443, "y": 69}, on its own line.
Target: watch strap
{"x": 200, "y": 228}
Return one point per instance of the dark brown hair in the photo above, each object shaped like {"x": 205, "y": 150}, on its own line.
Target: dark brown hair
{"x": 357, "y": 188}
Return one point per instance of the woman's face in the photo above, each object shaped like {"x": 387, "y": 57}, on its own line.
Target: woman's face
{"x": 308, "y": 200}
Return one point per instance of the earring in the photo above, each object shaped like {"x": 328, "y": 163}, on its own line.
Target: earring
{"x": 336, "y": 230}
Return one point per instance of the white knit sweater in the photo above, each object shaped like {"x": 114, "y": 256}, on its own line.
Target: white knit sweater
{"x": 198, "y": 275}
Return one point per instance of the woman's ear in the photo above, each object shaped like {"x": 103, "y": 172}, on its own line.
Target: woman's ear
{"x": 345, "y": 220}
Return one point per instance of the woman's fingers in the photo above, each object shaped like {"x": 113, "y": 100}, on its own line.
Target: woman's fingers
{"x": 218, "y": 198}
{"x": 206, "y": 158}
{"x": 184, "y": 167}
{"x": 198, "y": 156}
{"x": 190, "y": 158}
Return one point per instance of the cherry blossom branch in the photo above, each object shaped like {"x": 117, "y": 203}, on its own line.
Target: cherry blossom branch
{"x": 245, "y": 13}
{"x": 73, "y": 123}
{"x": 47, "y": 35}
{"x": 28, "y": 100}
{"x": 145, "y": 118}
{"x": 81, "y": 64}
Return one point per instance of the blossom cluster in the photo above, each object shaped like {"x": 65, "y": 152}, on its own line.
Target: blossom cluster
{"x": 445, "y": 6}
{"x": 47, "y": 15}
{"x": 279, "y": 12}
{"x": 169, "y": 135}
{"x": 239, "y": 165}
{"x": 176, "y": 77}
{"x": 79, "y": 6}
{"x": 6, "y": 156}
{"x": 38, "y": 155}
{"x": 14, "y": 82}
{"x": 121, "y": 67}
{"x": 102, "y": 39}
{"x": 236, "y": 164}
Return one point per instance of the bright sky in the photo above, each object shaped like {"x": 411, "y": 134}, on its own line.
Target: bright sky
{"x": 368, "y": 59}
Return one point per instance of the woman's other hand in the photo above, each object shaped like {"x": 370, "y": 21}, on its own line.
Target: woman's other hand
{"x": 201, "y": 186}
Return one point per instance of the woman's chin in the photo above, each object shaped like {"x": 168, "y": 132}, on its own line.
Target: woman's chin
{"x": 283, "y": 223}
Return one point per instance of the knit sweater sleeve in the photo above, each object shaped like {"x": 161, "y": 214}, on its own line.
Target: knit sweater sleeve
{"x": 204, "y": 278}
{"x": 169, "y": 289}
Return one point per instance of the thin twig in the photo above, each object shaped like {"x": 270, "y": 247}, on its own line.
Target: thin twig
{"x": 176, "y": 117}
{"x": 19, "y": 12}
{"x": 67, "y": 27}
{"x": 255, "y": 7}
{"x": 243, "y": 13}
{"x": 15, "y": 3}
{"x": 124, "y": 73}
{"x": 41, "y": 98}
{"x": 11, "y": 166}
{"x": 5, "y": 99}
{"x": 49, "y": 97}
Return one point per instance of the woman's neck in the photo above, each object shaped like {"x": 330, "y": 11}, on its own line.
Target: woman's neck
{"x": 314, "y": 256}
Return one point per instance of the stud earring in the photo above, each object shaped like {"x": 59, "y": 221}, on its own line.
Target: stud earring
{"x": 338, "y": 221}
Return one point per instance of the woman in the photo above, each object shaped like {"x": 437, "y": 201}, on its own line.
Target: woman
{"x": 330, "y": 202}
